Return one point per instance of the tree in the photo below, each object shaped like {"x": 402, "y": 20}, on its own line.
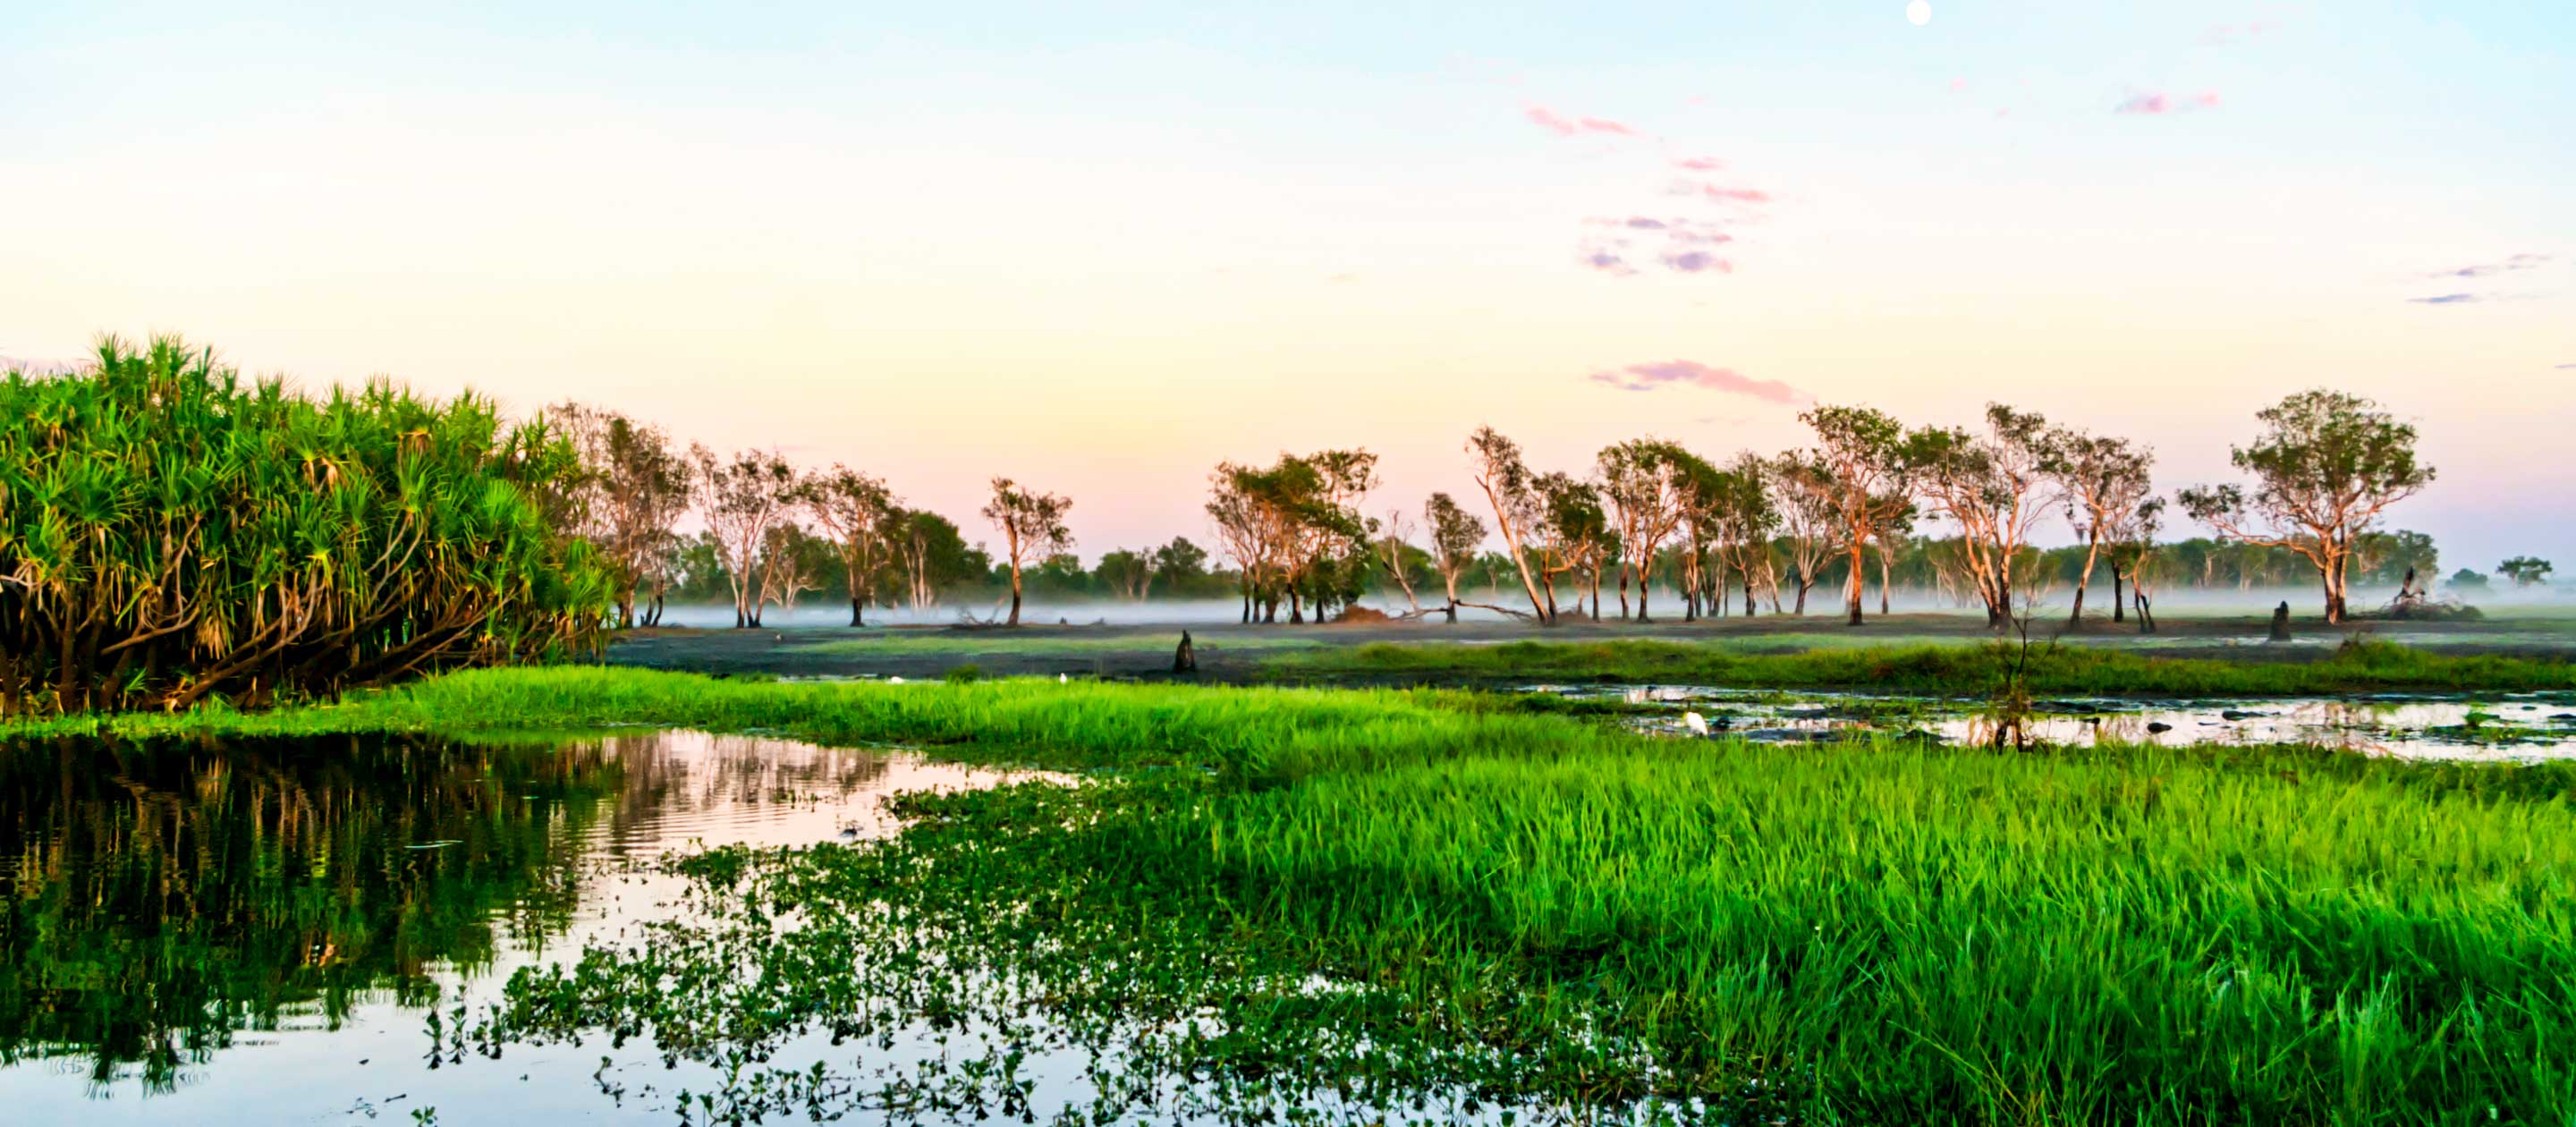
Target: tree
{"x": 1642, "y": 481}
{"x": 1861, "y": 452}
{"x": 1127, "y": 571}
{"x": 1990, "y": 486}
{"x": 632, "y": 490}
{"x": 1810, "y": 518}
{"x": 1572, "y": 534}
{"x": 2326, "y": 466}
{"x": 1032, "y": 527}
{"x": 789, "y": 558}
{"x": 1396, "y": 553}
{"x": 1180, "y": 563}
{"x": 1455, "y": 534}
{"x": 858, "y": 513}
{"x": 1742, "y": 522}
{"x": 2466, "y": 580}
{"x": 932, "y": 554}
{"x": 2526, "y": 571}
{"x": 1508, "y": 485}
{"x": 741, "y": 499}
{"x": 2102, "y": 481}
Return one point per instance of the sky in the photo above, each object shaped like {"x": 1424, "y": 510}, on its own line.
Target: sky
{"x": 1100, "y": 247}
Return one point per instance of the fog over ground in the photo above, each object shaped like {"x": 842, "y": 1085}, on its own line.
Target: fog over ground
{"x": 1823, "y": 605}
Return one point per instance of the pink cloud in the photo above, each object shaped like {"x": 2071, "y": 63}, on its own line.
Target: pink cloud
{"x": 1691, "y": 373}
{"x": 1698, "y": 262}
{"x": 1564, "y": 126}
{"x": 1734, "y": 195}
{"x": 2160, "y": 103}
{"x": 1700, "y": 164}
{"x": 1958, "y": 86}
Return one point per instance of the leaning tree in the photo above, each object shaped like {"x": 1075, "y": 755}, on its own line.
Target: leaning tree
{"x": 1455, "y": 533}
{"x": 1032, "y": 527}
{"x": 2327, "y": 464}
{"x": 1511, "y": 489}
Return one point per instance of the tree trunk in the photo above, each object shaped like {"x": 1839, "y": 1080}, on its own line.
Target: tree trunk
{"x": 1015, "y": 595}
{"x": 2092, "y": 549}
{"x": 1855, "y": 585}
{"x": 2119, "y": 609}
{"x": 857, "y": 616}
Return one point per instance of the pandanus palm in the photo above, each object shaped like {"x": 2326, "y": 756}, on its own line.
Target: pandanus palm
{"x": 169, "y": 533}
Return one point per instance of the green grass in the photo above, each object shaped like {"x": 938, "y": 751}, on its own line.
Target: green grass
{"x": 1526, "y": 907}
{"x": 1953, "y": 669}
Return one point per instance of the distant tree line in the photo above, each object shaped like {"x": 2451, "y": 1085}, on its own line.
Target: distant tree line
{"x": 1953, "y": 511}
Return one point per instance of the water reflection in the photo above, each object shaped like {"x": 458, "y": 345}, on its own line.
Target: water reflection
{"x": 169, "y": 900}
{"x": 2518, "y": 726}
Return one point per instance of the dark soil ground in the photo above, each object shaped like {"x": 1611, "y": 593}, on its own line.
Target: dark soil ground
{"x": 1232, "y": 652}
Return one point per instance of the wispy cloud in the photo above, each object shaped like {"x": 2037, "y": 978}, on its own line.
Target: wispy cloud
{"x": 1677, "y": 244}
{"x": 1606, "y": 261}
{"x": 2489, "y": 269}
{"x": 2162, "y": 103}
{"x": 1564, "y": 126}
{"x": 1700, "y": 164}
{"x": 2567, "y": 367}
{"x": 1722, "y": 193}
{"x": 1691, "y": 373}
{"x": 2446, "y": 299}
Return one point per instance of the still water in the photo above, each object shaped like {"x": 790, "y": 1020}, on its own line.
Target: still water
{"x": 2520, "y": 727}
{"x": 256, "y": 930}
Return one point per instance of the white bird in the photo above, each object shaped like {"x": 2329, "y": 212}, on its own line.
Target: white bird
{"x": 894, "y": 680}
{"x": 1059, "y": 678}
{"x": 1697, "y": 724}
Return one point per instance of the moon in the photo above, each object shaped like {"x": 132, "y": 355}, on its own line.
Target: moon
{"x": 1918, "y": 13}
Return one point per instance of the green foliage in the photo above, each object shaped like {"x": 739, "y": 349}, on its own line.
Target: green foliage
{"x": 2526, "y": 571}
{"x": 169, "y": 533}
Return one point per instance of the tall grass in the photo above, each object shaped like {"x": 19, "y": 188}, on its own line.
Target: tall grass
{"x": 1936, "y": 668}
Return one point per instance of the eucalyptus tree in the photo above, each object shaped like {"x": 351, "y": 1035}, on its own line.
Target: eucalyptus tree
{"x": 930, "y": 552}
{"x": 2327, "y": 464}
{"x": 2101, "y": 480}
{"x": 1573, "y": 534}
{"x": 741, "y": 499}
{"x": 1394, "y": 552}
{"x": 857, "y": 513}
{"x": 170, "y": 533}
{"x": 1032, "y": 527}
{"x": 1455, "y": 534}
{"x": 1810, "y": 518}
{"x": 631, "y": 492}
{"x": 1743, "y": 519}
{"x": 1642, "y": 479}
{"x": 1509, "y": 488}
{"x": 1860, "y": 452}
{"x": 1993, "y": 485}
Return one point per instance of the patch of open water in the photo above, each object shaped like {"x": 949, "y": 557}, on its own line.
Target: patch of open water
{"x": 255, "y": 930}
{"x": 2488, "y": 726}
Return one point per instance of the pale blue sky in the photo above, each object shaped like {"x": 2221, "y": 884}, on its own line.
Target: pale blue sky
{"x": 1101, "y": 246}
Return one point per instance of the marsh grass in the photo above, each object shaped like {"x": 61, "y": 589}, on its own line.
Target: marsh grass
{"x": 1546, "y": 910}
{"x": 1951, "y": 669}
